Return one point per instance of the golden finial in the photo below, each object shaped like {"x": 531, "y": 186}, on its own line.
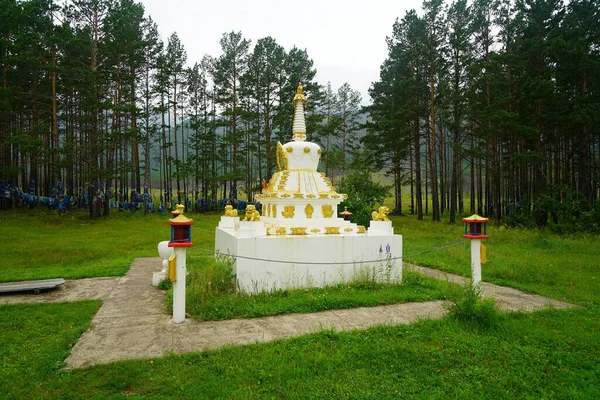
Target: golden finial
{"x": 299, "y": 94}
{"x": 178, "y": 215}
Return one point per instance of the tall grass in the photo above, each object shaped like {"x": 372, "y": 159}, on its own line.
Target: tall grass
{"x": 469, "y": 307}
{"x": 212, "y": 294}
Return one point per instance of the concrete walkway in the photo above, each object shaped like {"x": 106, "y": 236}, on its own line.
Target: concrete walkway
{"x": 507, "y": 299}
{"x": 132, "y": 322}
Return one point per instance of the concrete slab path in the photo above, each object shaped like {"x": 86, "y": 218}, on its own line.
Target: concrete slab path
{"x": 132, "y": 322}
{"x": 507, "y": 299}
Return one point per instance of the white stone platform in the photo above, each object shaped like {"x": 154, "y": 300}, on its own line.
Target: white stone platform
{"x": 293, "y": 261}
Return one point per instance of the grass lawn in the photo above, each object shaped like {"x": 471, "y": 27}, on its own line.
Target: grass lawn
{"x": 210, "y": 305}
{"x": 563, "y": 267}
{"x": 548, "y": 354}
{"x": 37, "y": 244}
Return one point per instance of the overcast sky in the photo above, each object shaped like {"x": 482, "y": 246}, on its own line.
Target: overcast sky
{"x": 345, "y": 39}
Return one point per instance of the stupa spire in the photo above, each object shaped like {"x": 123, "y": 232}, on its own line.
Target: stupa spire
{"x": 299, "y": 124}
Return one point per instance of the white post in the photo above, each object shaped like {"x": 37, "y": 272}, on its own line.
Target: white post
{"x": 476, "y": 262}
{"x": 179, "y": 286}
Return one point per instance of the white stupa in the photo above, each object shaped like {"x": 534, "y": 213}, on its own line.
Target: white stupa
{"x": 299, "y": 240}
{"x": 299, "y": 200}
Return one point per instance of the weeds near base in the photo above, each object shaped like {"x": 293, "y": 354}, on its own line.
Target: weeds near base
{"x": 212, "y": 295}
{"x": 165, "y": 284}
{"x": 469, "y": 307}
{"x": 215, "y": 278}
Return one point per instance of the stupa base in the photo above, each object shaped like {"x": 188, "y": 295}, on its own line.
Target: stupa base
{"x": 268, "y": 263}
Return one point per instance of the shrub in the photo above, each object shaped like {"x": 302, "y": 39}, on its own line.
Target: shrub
{"x": 471, "y": 309}
{"x": 363, "y": 193}
{"x": 165, "y": 284}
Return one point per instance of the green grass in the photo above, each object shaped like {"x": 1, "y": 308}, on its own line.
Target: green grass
{"x": 207, "y": 305}
{"x": 36, "y": 338}
{"x": 563, "y": 267}
{"x": 37, "y": 244}
{"x": 550, "y": 354}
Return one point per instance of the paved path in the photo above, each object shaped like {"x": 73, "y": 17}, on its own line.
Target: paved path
{"x": 132, "y": 322}
{"x": 506, "y": 298}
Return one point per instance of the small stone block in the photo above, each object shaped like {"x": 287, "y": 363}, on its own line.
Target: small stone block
{"x": 229, "y": 222}
{"x": 381, "y": 228}
{"x": 252, "y": 229}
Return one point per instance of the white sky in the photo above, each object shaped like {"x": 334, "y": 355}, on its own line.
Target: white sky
{"x": 345, "y": 39}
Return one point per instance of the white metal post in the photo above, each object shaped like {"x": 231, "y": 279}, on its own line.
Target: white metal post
{"x": 179, "y": 286}
{"x": 476, "y": 262}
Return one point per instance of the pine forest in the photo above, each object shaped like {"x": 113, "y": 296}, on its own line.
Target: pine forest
{"x": 488, "y": 107}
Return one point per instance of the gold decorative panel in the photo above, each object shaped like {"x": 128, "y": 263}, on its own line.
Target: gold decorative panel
{"x": 288, "y": 211}
{"x": 327, "y": 211}
{"x": 308, "y": 210}
{"x": 282, "y": 160}
{"x": 332, "y": 230}
{"x": 298, "y": 231}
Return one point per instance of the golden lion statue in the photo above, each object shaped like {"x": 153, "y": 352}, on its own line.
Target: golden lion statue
{"x": 230, "y": 212}
{"x": 251, "y": 214}
{"x": 381, "y": 214}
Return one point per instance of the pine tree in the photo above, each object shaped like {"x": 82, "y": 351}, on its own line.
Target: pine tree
{"x": 459, "y": 16}
{"x": 228, "y": 70}
{"x": 266, "y": 79}
{"x": 152, "y": 48}
{"x": 435, "y": 52}
{"x": 175, "y": 61}
{"x": 349, "y": 110}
